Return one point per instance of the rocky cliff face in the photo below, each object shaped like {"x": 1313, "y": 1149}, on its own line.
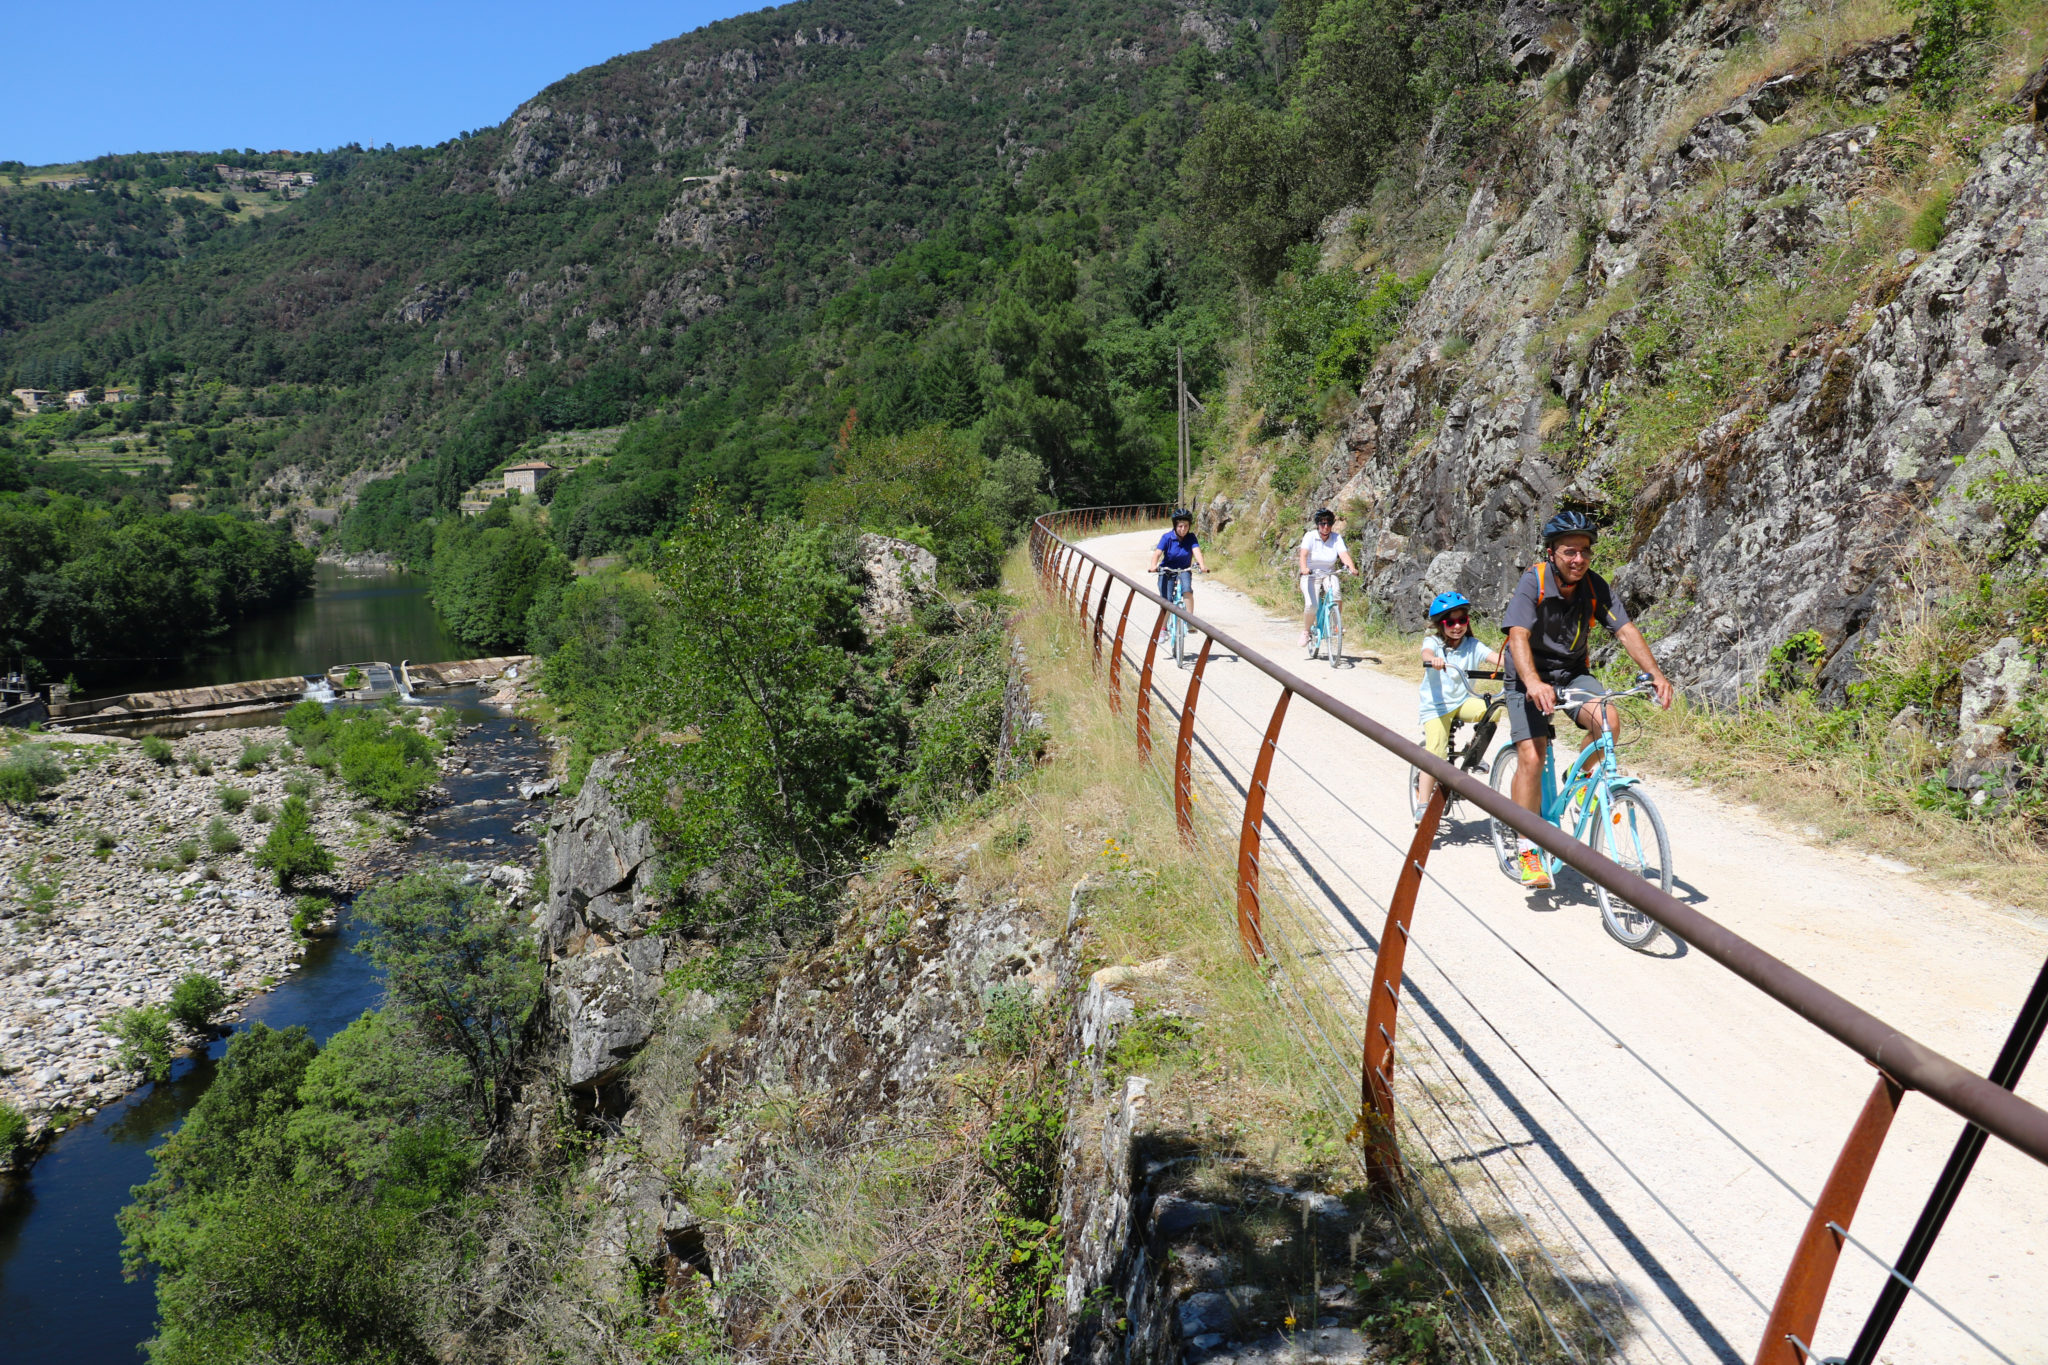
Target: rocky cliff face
{"x": 1735, "y": 271}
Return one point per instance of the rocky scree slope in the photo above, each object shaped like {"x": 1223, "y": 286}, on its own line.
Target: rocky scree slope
{"x": 821, "y": 1180}
{"x": 1611, "y": 280}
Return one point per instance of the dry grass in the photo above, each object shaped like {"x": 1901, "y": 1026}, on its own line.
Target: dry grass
{"x": 1825, "y": 28}
{"x": 1249, "y": 1091}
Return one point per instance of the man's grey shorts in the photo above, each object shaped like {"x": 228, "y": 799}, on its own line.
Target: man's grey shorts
{"x": 1526, "y": 722}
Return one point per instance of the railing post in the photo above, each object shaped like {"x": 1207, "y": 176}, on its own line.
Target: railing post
{"x": 1145, "y": 689}
{"x": 1383, "y": 1008}
{"x": 1797, "y": 1310}
{"x": 1251, "y": 926}
{"x": 1081, "y": 599}
{"x": 1184, "y": 751}
{"x": 1116, "y": 658}
{"x": 1100, "y": 608}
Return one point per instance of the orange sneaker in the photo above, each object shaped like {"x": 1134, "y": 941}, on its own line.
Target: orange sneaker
{"x": 1533, "y": 875}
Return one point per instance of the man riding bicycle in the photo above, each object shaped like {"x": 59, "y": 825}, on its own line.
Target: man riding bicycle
{"x": 1549, "y": 626}
{"x": 1176, "y": 552}
{"x": 1320, "y": 552}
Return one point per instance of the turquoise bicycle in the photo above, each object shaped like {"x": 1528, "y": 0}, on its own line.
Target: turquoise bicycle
{"x": 1327, "y": 640}
{"x": 1601, "y": 807}
{"x": 1178, "y": 583}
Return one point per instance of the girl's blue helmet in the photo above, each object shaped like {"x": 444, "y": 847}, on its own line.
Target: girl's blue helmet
{"x": 1447, "y": 601}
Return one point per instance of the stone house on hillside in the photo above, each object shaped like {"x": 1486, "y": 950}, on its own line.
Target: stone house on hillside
{"x": 525, "y": 478}
{"x": 32, "y": 400}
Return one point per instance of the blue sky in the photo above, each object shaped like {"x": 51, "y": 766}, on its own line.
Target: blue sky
{"x": 121, "y": 76}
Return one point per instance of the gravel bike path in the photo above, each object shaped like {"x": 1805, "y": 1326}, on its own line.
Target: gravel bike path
{"x": 1944, "y": 967}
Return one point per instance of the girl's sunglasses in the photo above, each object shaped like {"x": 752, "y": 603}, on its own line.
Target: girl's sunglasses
{"x": 1456, "y": 620}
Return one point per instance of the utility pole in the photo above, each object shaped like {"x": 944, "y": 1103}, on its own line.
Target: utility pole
{"x": 1180, "y": 434}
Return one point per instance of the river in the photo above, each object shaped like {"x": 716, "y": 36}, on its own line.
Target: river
{"x": 62, "y": 1295}
{"x": 352, "y": 617}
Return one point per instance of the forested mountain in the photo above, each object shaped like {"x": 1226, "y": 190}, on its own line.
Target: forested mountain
{"x": 757, "y": 227}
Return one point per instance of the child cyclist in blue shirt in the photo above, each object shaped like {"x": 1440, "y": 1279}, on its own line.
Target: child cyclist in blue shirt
{"x": 1177, "y": 551}
{"x": 1446, "y": 696}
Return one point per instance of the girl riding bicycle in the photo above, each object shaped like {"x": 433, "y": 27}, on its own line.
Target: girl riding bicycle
{"x": 1317, "y": 558}
{"x": 1449, "y": 656}
{"x": 1177, "y": 552}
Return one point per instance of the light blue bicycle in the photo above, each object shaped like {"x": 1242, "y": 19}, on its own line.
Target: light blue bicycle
{"x": 1179, "y": 584}
{"x": 1326, "y": 641}
{"x": 1601, "y": 807}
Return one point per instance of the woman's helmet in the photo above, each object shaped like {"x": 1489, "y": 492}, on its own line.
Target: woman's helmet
{"x": 1569, "y": 524}
{"x": 1182, "y": 514}
{"x": 1324, "y": 516}
{"x": 1447, "y": 601}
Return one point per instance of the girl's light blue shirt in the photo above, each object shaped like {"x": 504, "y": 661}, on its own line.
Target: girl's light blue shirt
{"x": 1443, "y": 693}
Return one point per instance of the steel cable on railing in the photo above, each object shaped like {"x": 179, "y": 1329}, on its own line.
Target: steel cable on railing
{"x": 1549, "y": 1198}
{"x": 1953, "y": 1086}
{"x": 1913, "y": 1288}
{"x": 1341, "y": 1107}
{"x": 1495, "y": 1029}
{"x": 1552, "y": 1204}
{"x": 1215, "y": 751}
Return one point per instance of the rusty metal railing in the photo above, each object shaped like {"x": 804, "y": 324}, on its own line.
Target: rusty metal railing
{"x": 1069, "y": 574}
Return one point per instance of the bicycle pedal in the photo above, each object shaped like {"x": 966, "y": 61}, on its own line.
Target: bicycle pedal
{"x": 1481, "y": 769}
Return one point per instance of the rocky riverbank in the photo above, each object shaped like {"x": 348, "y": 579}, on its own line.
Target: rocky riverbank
{"x": 120, "y": 882}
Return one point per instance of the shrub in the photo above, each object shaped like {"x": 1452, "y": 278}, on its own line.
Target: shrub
{"x": 233, "y": 800}
{"x": 203, "y": 766}
{"x": 13, "y": 1129}
{"x": 461, "y": 964}
{"x": 196, "y": 1001}
{"x": 145, "y": 1038}
{"x": 158, "y": 752}
{"x": 252, "y": 757}
{"x": 28, "y": 772}
{"x": 103, "y": 842}
{"x": 221, "y": 839}
{"x": 298, "y": 786}
{"x": 261, "y": 815}
{"x": 292, "y": 851}
{"x": 1010, "y": 1020}
{"x": 188, "y": 851}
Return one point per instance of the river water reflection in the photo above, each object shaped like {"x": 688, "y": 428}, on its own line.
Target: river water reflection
{"x": 351, "y": 617}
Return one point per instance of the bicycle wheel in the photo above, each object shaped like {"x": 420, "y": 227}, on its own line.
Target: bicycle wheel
{"x": 1502, "y": 779}
{"x": 1336, "y": 636}
{"x": 1178, "y": 630}
{"x": 1628, "y": 830}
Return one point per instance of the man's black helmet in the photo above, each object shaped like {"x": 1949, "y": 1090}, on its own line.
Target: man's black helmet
{"x": 1183, "y": 514}
{"x": 1322, "y": 515}
{"x": 1568, "y": 524}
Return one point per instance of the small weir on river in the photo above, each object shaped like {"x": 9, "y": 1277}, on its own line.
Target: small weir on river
{"x": 63, "y": 1297}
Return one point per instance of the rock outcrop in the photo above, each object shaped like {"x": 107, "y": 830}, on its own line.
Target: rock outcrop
{"x": 605, "y": 884}
{"x": 1805, "y": 490}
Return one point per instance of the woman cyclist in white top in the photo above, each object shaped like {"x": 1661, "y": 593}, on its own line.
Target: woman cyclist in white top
{"x": 1321, "y": 551}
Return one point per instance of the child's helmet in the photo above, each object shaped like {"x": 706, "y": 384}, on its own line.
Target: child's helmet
{"x": 1183, "y": 514}
{"x": 1447, "y": 601}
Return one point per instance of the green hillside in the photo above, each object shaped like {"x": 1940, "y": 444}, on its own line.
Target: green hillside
{"x": 752, "y": 226}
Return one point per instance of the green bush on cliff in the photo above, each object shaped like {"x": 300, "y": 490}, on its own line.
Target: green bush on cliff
{"x": 462, "y": 966}
{"x": 773, "y": 737}
{"x": 13, "y": 1129}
